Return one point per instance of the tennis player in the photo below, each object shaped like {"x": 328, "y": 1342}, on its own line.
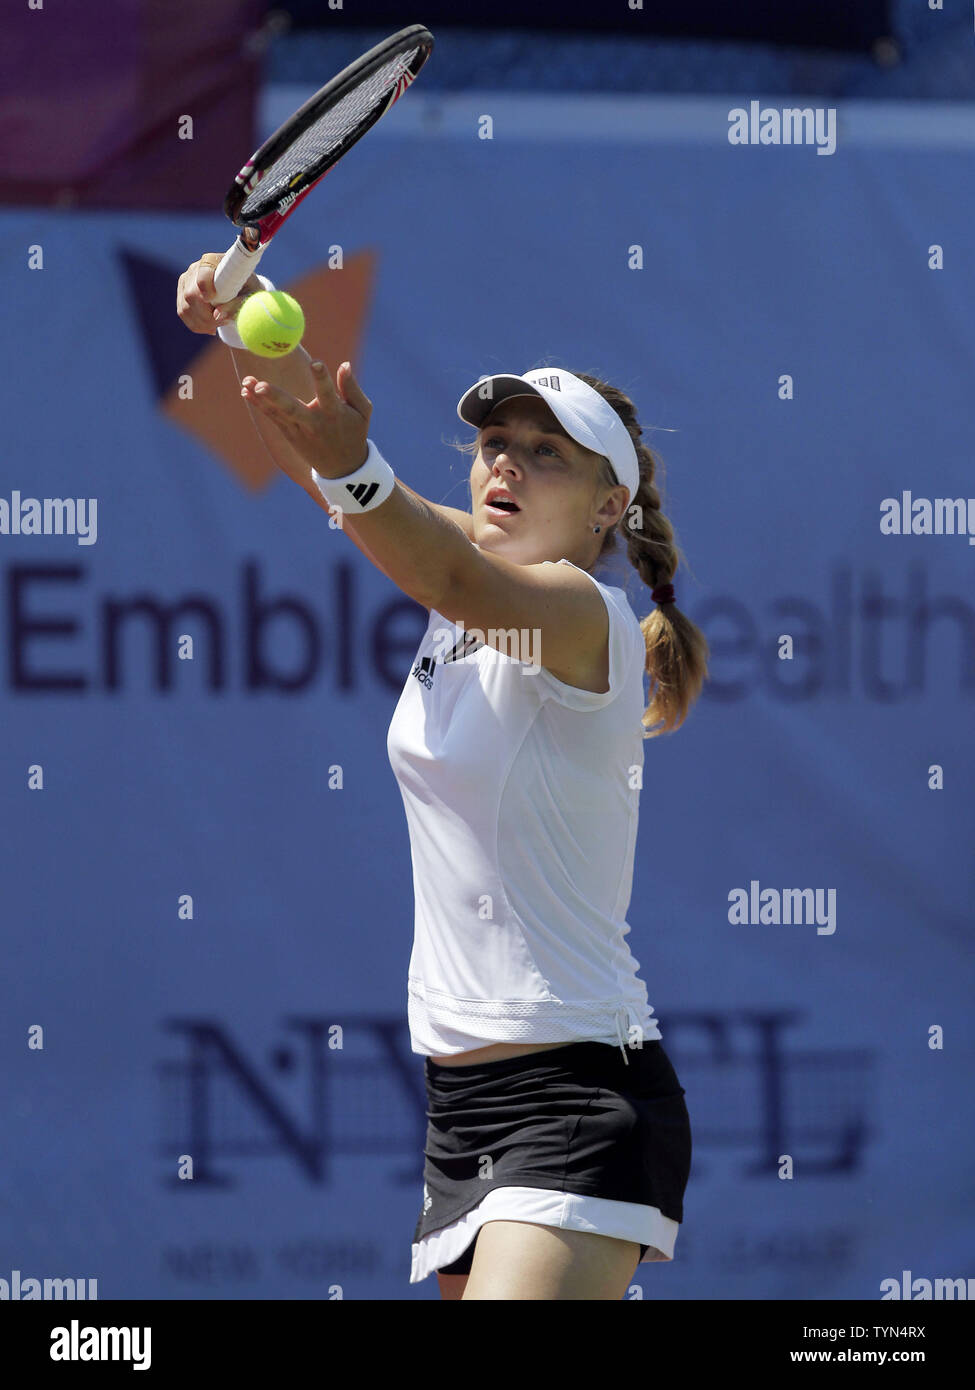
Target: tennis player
{"x": 558, "y": 1145}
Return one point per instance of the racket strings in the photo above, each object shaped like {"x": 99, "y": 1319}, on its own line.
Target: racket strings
{"x": 332, "y": 128}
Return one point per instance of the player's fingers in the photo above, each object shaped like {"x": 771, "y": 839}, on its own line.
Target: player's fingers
{"x": 196, "y": 301}
{"x": 261, "y": 395}
{"x": 205, "y": 270}
{"x": 222, "y": 312}
{"x": 276, "y": 399}
{"x": 192, "y": 305}
{"x": 352, "y": 392}
{"x": 324, "y": 386}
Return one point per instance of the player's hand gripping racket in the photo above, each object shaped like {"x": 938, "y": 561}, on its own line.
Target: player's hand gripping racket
{"x": 288, "y": 165}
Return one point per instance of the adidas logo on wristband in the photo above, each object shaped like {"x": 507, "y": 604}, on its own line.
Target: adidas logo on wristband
{"x": 362, "y": 490}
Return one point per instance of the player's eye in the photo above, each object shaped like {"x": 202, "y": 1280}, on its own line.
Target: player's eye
{"x": 495, "y": 440}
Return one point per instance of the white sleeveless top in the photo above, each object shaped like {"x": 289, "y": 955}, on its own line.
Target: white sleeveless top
{"x": 522, "y": 801}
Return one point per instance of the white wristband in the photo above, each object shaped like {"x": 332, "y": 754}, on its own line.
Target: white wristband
{"x": 362, "y": 490}
{"x": 227, "y": 332}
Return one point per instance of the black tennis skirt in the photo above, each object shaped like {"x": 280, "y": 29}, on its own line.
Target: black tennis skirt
{"x": 575, "y": 1137}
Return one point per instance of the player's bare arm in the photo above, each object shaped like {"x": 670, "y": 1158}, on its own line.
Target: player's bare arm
{"x": 427, "y": 555}
{"x": 197, "y": 306}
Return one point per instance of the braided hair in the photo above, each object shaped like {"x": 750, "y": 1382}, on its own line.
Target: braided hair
{"x": 677, "y": 651}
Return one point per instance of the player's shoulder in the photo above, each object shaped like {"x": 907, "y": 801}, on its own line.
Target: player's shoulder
{"x": 567, "y": 574}
{"x": 564, "y": 572}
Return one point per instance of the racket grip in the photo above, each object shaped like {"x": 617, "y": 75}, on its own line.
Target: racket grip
{"x": 236, "y": 268}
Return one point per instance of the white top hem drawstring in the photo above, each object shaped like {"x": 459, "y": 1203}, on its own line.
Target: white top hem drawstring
{"x": 623, "y": 1014}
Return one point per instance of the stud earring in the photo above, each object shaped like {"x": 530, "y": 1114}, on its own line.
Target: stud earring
{"x": 596, "y": 530}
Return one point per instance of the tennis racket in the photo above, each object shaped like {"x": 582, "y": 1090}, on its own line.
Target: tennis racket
{"x": 300, "y": 153}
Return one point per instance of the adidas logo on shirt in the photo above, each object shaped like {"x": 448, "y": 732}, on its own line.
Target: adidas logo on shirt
{"x": 424, "y": 668}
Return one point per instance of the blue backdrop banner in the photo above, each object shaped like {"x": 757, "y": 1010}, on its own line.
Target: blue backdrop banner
{"x": 206, "y": 888}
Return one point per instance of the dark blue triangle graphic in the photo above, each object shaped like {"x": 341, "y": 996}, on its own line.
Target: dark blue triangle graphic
{"x": 169, "y": 346}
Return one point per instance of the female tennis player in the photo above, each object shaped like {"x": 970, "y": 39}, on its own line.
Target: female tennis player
{"x": 558, "y": 1145}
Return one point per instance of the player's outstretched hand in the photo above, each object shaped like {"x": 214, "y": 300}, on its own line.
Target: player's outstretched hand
{"x": 329, "y": 432}
{"x": 196, "y": 299}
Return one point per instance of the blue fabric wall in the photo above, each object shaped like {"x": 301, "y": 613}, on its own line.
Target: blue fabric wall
{"x": 215, "y": 1037}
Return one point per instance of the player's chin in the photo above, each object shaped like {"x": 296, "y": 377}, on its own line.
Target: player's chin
{"x": 495, "y": 538}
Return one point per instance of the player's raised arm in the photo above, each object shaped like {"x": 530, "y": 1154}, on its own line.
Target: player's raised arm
{"x": 425, "y": 555}
{"x": 199, "y": 309}
{"x": 422, "y": 547}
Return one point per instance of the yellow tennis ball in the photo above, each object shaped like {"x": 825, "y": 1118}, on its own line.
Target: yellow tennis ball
{"x": 270, "y": 323}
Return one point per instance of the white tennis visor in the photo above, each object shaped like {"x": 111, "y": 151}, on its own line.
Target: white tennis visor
{"x": 581, "y": 411}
